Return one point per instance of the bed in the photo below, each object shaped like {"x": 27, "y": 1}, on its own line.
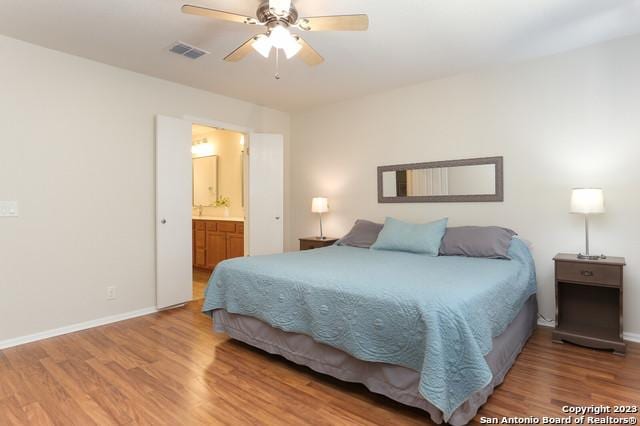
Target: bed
{"x": 438, "y": 333}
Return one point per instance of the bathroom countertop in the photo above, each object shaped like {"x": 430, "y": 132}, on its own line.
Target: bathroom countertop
{"x": 221, "y": 218}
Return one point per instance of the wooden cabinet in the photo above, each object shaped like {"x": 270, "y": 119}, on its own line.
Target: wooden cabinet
{"x": 215, "y": 241}
{"x": 199, "y": 244}
{"x": 235, "y": 245}
{"x": 589, "y": 302}
{"x": 216, "y": 250}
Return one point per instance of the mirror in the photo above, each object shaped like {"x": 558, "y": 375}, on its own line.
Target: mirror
{"x": 205, "y": 180}
{"x": 476, "y": 179}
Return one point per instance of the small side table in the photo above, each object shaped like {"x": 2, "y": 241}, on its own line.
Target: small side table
{"x": 309, "y": 243}
{"x": 589, "y": 302}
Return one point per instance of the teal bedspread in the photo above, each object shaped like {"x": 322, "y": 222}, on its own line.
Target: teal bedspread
{"x": 436, "y": 315}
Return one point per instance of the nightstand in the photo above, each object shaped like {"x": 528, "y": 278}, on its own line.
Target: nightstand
{"x": 589, "y": 302}
{"x": 309, "y": 243}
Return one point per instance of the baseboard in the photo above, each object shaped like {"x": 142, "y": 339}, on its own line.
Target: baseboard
{"x": 545, "y": 323}
{"x": 4, "y": 344}
{"x": 631, "y": 337}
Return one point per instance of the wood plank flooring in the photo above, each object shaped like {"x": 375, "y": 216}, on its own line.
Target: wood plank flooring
{"x": 200, "y": 280}
{"x": 170, "y": 369}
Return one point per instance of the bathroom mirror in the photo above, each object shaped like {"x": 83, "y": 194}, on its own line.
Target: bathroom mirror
{"x": 475, "y": 179}
{"x": 205, "y": 180}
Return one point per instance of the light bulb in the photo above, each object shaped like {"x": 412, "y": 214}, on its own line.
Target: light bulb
{"x": 262, "y": 44}
{"x": 280, "y": 36}
{"x": 204, "y": 149}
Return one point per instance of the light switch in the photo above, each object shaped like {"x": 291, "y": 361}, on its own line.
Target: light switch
{"x": 8, "y": 208}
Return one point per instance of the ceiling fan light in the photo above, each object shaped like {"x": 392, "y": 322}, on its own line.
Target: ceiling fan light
{"x": 280, "y": 7}
{"x": 280, "y": 37}
{"x": 292, "y": 48}
{"x": 262, "y": 44}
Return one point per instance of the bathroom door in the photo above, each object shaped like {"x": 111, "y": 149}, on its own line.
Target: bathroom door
{"x": 266, "y": 194}
{"x": 174, "y": 274}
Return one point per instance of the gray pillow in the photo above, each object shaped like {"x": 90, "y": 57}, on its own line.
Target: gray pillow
{"x": 477, "y": 241}
{"x": 363, "y": 234}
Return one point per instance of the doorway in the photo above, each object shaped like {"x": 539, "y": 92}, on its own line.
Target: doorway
{"x": 218, "y": 230}
{"x": 218, "y": 213}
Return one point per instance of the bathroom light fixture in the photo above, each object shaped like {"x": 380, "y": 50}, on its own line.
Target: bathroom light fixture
{"x": 202, "y": 149}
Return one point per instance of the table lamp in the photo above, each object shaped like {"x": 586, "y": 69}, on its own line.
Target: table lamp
{"x": 587, "y": 201}
{"x": 320, "y": 205}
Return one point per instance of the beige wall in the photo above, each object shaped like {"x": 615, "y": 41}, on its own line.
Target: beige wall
{"x": 77, "y": 152}
{"x": 87, "y": 202}
{"x": 560, "y": 122}
{"x": 226, "y": 145}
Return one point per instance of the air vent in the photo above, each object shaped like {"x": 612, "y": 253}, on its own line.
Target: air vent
{"x": 187, "y": 50}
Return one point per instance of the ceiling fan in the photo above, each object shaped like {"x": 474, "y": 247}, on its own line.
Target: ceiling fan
{"x": 278, "y": 17}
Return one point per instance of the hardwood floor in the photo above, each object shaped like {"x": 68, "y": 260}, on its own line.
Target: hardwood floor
{"x": 169, "y": 368}
{"x": 200, "y": 280}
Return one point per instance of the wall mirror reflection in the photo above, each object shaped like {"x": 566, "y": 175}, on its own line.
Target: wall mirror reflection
{"x": 205, "y": 180}
{"x": 476, "y": 179}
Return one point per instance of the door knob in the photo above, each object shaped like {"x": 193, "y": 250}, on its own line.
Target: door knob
{"x": 163, "y": 221}
{"x": 277, "y": 217}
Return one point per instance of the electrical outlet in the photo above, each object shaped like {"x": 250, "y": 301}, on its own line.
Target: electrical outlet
{"x": 111, "y": 293}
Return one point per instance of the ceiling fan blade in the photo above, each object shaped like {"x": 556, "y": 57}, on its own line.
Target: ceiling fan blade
{"x": 334, "y": 23}
{"x": 241, "y": 52}
{"x": 308, "y": 54}
{"x": 218, "y": 14}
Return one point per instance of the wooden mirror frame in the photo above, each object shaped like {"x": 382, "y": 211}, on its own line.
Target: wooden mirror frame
{"x": 499, "y": 185}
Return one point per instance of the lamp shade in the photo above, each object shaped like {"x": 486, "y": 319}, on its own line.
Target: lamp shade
{"x": 262, "y": 44}
{"x": 319, "y": 205}
{"x": 587, "y": 200}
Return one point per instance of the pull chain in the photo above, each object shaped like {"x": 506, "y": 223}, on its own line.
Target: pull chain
{"x": 277, "y": 64}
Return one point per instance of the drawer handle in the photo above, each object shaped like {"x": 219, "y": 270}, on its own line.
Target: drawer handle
{"x": 587, "y": 273}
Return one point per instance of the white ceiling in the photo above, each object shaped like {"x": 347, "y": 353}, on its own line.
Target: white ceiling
{"x": 408, "y": 41}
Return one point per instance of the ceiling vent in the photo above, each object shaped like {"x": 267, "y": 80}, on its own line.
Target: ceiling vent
{"x": 186, "y": 50}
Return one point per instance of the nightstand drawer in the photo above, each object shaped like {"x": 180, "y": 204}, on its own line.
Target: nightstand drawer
{"x": 589, "y": 273}
{"x": 310, "y": 245}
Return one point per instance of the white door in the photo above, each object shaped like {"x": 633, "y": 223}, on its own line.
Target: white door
{"x": 174, "y": 276}
{"x": 266, "y": 194}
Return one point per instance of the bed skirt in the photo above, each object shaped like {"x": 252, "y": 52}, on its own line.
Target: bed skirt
{"x": 396, "y": 382}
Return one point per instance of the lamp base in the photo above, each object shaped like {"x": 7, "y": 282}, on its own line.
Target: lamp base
{"x": 590, "y": 257}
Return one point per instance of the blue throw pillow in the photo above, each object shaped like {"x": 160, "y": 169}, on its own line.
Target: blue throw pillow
{"x": 414, "y": 238}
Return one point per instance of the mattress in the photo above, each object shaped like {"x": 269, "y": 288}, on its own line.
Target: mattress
{"x": 396, "y": 382}
{"x": 437, "y": 316}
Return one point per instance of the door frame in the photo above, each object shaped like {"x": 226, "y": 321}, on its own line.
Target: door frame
{"x": 246, "y": 132}
{"x": 219, "y": 124}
